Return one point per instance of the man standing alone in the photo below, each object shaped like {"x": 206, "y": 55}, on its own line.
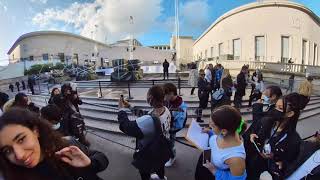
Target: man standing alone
{"x": 165, "y": 69}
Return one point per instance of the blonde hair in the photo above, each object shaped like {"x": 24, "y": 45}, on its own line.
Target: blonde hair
{"x": 8, "y": 105}
{"x": 225, "y": 73}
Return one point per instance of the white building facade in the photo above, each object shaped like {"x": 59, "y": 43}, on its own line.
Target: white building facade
{"x": 270, "y": 31}
{"x": 71, "y": 48}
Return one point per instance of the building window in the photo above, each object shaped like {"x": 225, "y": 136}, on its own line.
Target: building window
{"x": 284, "y": 49}
{"x": 220, "y": 49}
{"x": 61, "y": 57}
{"x": 205, "y": 54}
{"x": 315, "y": 54}
{"x": 259, "y": 48}
{"x": 45, "y": 57}
{"x": 304, "y": 51}
{"x": 211, "y": 52}
{"x": 236, "y": 49}
{"x": 201, "y": 55}
{"x": 31, "y": 58}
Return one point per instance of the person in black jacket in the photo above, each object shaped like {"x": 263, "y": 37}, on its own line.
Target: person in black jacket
{"x": 165, "y": 69}
{"x": 32, "y": 150}
{"x": 240, "y": 87}
{"x": 54, "y": 92}
{"x": 31, "y": 83}
{"x": 11, "y": 87}
{"x": 23, "y": 85}
{"x": 18, "y": 86}
{"x": 276, "y": 139}
{"x": 204, "y": 89}
{"x": 146, "y": 128}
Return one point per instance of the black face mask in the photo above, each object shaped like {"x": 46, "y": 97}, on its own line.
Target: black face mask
{"x": 276, "y": 115}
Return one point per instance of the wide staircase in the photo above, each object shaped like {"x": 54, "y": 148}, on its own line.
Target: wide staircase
{"x": 101, "y": 114}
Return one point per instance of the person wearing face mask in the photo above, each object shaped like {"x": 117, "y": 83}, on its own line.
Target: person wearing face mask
{"x": 274, "y": 142}
{"x": 178, "y": 110}
{"x": 152, "y": 133}
{"x": 53, "y": 114}
{"x": 228, "y": 155}
{"x": 269, "y": 98}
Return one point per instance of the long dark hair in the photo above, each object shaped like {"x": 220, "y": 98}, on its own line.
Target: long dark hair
{"x": 50, "y": 141}
{"x": 229, "y": 118}
{"x": 52, "y": 91}
{"x": 292, "y": 102}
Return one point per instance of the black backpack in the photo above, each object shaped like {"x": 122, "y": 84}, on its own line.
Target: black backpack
{"x": 154, "y": 154}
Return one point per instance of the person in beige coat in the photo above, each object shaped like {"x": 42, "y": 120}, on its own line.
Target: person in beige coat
{"x": 305, "y": 89}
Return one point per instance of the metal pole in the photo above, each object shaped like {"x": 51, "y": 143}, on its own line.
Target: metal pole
{"x": 152, "y": 82}
{"x": 179, "y": 85}
{"x": 48, "y": 88}
{"x": 100, "y": 90}
{"x": 129, "y": 91}
{"x": 39, "y": 86}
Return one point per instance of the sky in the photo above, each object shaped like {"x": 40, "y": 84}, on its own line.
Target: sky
{"x": 108, "y": 20}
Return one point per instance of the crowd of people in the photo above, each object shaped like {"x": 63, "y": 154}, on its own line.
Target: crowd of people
{"x": 30, "y": 84}
{"x": 50, "y": 142}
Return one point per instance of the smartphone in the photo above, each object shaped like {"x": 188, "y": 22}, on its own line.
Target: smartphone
{"x": 206, "y": 154}
{"x": 257, "y": 148}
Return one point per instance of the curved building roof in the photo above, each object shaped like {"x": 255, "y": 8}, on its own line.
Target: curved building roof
{"x": 269, "y": 3}
{"x": 43, "y": 33}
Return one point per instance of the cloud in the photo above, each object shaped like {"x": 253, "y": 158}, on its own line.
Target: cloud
{"x": 195, "y": 15}
{"x": 39, "y": 1}
{"x": 110, "y": 16}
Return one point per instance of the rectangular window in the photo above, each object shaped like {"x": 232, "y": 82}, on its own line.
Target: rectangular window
{"x": 304, "y": 51}
{"x": 31, "y": 58}
{"x": 284, "y": 49}
{"x": 45, "y": 57}
{"x": 236, "y": 49}
{"x": 61, "y": 57}
{"x": 201, "y": 55}
{"x": 211, "y": 52}
{"x": 220, "y": 49}
{"x": 205, "y": 54}
{"x": 315, "y": 55}
{"x": 259, "y": 48}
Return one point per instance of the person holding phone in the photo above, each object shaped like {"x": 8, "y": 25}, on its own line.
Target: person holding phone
{"x": 227, "y": 161}
{"x": 274, "y": 142}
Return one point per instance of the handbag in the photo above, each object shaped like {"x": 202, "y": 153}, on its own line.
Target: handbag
{"x": 217, "y": 95}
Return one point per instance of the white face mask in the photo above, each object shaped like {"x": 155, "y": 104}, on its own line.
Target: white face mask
{"x": 56, "y": 126}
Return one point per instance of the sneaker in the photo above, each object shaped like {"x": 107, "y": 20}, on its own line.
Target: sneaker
{"x": 156, "y": 177}
{"x": 170, "y": 162}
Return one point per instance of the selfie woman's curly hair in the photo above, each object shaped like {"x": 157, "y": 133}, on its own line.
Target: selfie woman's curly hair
{"x": 50, "y": 141}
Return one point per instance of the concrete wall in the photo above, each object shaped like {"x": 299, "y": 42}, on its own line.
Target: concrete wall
{"x": 264, "y": 19}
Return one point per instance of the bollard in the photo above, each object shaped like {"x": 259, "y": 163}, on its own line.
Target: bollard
{"x": 179, "y": 85}
{"x": 129, "y": 91}
{"x": 39, "y": 87}
{"x": 100, "y": 90}
{"x": 152, "y": 82}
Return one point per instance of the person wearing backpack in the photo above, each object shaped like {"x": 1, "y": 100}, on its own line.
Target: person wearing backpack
{"x": 152, "y": 133}
{"x": 178, "y": 110}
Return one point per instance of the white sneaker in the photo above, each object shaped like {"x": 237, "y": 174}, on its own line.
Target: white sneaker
{"x": 156, "y": 177}
{"x": 170, "y": 162}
